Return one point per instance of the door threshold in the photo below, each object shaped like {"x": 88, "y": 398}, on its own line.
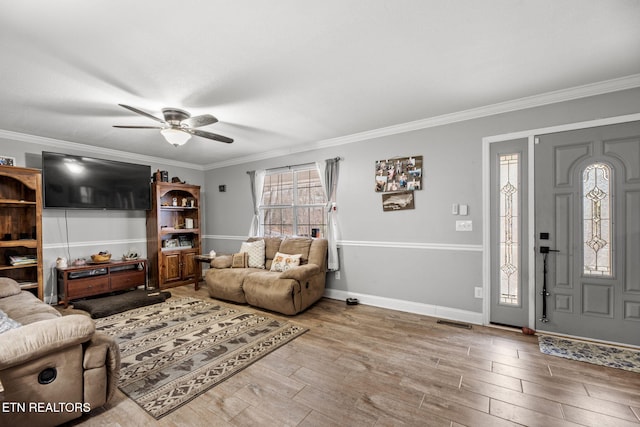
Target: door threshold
{"x": 505, "y": 327}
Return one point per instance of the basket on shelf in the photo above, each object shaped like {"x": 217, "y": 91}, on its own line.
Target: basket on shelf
{"x": 100, "y": 257}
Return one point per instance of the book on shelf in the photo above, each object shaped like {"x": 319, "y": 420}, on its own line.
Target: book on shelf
{"x": 27, "y": 284}
{"x": 23, "y": 259}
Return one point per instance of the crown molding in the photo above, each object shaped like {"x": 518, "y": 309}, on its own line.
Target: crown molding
{"x": 584, "y": 91}
{"x": 58, "y": 143}
{"x": 563, "y": 95}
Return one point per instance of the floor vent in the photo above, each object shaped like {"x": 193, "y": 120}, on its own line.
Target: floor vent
{"x": 454, "y": 324}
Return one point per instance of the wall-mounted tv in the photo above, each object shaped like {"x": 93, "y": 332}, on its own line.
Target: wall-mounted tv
{"x": 80, "y": 182}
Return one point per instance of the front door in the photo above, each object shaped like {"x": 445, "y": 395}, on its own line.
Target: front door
{"x": 587, "y": 222}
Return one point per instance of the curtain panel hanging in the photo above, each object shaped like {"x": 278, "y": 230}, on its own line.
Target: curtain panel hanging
{"x": 329, "y": 177}
{"x": 256, "y": 179}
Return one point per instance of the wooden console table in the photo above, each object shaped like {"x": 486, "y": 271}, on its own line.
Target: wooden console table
{"x": 95, "y": 279}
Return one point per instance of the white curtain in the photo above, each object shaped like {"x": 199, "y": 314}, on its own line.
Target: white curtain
{"x": 328, "y": 172}
{"x": 256, "y": 179}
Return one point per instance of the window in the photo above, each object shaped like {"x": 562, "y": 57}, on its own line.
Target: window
{"x": 596, "y": 220}
{"x": 293, "y": 203}
{"x": 509, "y": 230}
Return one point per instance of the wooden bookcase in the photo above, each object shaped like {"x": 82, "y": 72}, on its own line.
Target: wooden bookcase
{"x": 21, "y": 227}
{"x": 171, "y": 245}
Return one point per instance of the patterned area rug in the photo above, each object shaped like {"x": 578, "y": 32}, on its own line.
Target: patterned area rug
{"x": 598, "y": 354}
{"x": 174, "y": 351}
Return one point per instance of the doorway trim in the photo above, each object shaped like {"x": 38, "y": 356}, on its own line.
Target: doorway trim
{"x": 531, "y": 135}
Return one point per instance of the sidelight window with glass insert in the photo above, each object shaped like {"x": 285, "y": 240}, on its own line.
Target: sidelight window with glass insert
{"x": 509, "y": 181}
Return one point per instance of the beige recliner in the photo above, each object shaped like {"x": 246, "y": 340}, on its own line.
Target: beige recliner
{"x": 53, "y": 368}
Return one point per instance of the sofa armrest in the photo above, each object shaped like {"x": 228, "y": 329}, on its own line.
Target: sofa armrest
{"x": 222, "y": 261}
{"x": 32, "y": 341}
{"x": 301, "y": 273}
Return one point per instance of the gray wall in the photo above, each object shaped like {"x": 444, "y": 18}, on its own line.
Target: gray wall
{"x": 414, "y": 259}
{"x": 79, "y": 233}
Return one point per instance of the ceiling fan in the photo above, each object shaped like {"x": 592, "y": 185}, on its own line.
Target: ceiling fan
{"x": 178, "y": 125}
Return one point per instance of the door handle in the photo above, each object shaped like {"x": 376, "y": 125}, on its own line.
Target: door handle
{"x": 545, "y": 293}
{"x": 546, "y": 250}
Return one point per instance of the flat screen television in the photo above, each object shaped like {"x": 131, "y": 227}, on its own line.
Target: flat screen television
{"x": 80, "y": 182}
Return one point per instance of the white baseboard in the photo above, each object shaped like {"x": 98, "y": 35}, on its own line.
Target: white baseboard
{"x": 408, "y": 306}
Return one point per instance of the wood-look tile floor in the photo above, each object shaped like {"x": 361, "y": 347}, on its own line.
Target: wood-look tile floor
{"x": 367, "y": 366}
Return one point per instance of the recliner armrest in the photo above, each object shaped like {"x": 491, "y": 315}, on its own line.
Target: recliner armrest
{"x": 301, "y": 273}
{"x": 32, "y": 341}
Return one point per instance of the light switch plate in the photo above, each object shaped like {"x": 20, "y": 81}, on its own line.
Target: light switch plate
{"x": 454, "y": 209}
{"x": 464, "y": 209}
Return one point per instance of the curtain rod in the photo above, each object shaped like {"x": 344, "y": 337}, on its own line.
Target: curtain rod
{"x": 294, "y": 166}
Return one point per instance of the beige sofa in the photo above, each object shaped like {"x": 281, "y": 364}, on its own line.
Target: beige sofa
{"x": 287, "y": 292}
{"x": 53, "y": 368}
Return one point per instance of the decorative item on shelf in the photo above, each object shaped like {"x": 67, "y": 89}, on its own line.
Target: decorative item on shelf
{"x": 61, "y": 262}
{"x": 212, "y": 253}
{"x": 192, "y": 203}
{"x": 188, "y": 223}
{"x": 79, "y": 262}
{"x": 104, "y": 256}
{"x": 184, "y": 202}
{"x": 131, "y": 255}
{"x": 175, "y": 201}
{"x": 177, "y": 180}
{"x": 7, "y": 161}
{"x": 185, "y": 241}
{"x": 171, "y": 243}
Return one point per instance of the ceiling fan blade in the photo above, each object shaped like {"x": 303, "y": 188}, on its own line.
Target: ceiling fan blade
{"x": 199, "y": 121}
{"x": 208, "y": 135}
{"x": 142, "y": 113}
{"x": 137, "y": 127}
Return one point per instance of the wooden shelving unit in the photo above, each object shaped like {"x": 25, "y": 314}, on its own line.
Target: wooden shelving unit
{"x": 171, "y": 246}
{"x": 21, "y": 226}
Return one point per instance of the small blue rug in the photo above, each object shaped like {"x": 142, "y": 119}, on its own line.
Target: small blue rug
{"x": 598, "y": 354}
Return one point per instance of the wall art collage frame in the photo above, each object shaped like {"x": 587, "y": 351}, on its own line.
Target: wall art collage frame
{"x": 397, "y": 179}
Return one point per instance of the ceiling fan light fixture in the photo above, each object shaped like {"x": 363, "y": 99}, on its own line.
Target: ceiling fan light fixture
{"x": 175, "y": 137}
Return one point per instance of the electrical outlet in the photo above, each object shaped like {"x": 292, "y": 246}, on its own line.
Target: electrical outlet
{"x": 337, "y": 275}
{"x": 464, "y": 225}
{"x": 477, "y": 292}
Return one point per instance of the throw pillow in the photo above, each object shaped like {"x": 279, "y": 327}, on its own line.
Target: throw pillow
{"x": 239, "y": 260}
{"x": 8, "y": 287}
{"x": 284, "y": 262}
{"x": 256, "y": 251}
{"x": 7, "y": 323}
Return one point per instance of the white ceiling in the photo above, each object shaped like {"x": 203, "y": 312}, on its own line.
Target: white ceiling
{"x": 284, "y": 74}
